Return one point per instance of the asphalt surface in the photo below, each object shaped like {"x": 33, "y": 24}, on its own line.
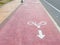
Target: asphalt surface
{"x": 55, "y": 3}
{"x": 53, "y": 8}
{"x": 29, "y": 25}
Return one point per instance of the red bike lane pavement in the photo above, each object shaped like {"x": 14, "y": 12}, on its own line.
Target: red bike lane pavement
{"x": 29, "y": 21}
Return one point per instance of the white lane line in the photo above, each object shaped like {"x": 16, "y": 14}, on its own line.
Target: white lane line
{"x": 51, "y": 18}
{"x": 52, "y": 6}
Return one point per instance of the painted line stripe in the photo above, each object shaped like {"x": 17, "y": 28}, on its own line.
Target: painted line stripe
{"x": 52, "y": 6}
{"x": 52, "y": 19}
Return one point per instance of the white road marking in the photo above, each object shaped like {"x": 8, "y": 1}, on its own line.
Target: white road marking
{"x": 33, "y": 23}
{"x": 52, "y": 6}
{"x": 38, "y": 25}
{"x": 40, "y": 35}
{"x": 43, "y": 23}
{"x": 51, "y": 18}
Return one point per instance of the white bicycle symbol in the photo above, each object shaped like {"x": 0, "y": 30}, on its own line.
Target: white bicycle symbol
{"x": 38, "y": 25}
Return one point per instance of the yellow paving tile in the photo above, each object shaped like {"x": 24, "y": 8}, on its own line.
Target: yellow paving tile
{"x": 7, "y": 9}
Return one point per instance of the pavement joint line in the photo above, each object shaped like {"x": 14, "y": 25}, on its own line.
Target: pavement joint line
{"x": 52, "y": 6}
{"x": 51, "y": 18}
